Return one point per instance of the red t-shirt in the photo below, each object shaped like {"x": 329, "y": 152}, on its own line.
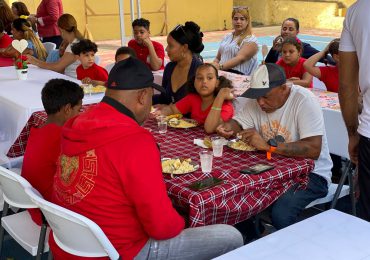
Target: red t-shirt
{"x": 330, "y": 77}
{"x": 296, "y": 71}
{"x": 192, "y": 103}
{"x": 40, "y": 161}
{"x": 142, "y": 52}
{"x": 5, "y": 41}
{"x": 95, "y": 72}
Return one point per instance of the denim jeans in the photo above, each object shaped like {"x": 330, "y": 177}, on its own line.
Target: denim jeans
{"x": 364, "y": 178}
{"x": 287, "y": 208}
{"x": 194, "y": 244}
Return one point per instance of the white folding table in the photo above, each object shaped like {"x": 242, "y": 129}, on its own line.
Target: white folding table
{"x": 19, "y": 99}
{"x": 331, "y": 235}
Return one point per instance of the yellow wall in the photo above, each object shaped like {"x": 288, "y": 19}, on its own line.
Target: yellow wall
{"x": 103, "y": 20}
{"x": 311, "y": 14}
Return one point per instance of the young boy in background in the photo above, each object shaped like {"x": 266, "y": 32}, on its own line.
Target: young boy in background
{"x": 89, "y": 72}
{"x": 62, "y": 100}
{"x": 148, "y": 51}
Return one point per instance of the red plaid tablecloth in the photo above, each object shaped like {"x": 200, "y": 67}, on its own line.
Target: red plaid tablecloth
{"x": 241, "y": 196}
{"x": 238, "y": 198}
{"x": 36, "y": 120}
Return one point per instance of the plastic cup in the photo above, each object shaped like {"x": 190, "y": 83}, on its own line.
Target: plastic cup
{"x": 217, "y": 145}
{"x": 206, "y": 158}
{"x": 162, "y": 124}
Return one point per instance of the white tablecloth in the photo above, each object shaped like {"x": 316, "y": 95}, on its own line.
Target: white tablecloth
{"x": 331, "y": 235}
{"x": 19, "y": 99}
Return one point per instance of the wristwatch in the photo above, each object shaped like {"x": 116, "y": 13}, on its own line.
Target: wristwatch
{"x": 221, "y": 66}
{"x": 273, "y": 144}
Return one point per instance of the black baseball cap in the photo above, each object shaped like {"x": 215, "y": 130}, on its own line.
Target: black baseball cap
{"x": 130, "y": 74}
{"x": 265, "y": 78}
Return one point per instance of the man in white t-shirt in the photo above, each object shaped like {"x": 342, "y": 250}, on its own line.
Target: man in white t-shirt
{"x": 286, "y": 120}
{"x": 354, "y": 55}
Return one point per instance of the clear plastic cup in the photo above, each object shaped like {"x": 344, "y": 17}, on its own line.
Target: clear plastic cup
{"x": 162, "y": 124}
{"x": 206, "y": 158}
{"x": 217, "y": 145}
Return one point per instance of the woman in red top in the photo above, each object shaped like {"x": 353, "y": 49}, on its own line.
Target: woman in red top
{"x": 292, "y": 62}
{"x": 46, "y": 18}
{"x": 327, "y": 74}
{"x": 208, "y": 100}
{"x": 5, "y": 40}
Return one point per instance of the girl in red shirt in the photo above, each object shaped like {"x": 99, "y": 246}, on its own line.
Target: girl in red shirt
{"x": 208, "y": 100}
{"x": 292, "y": 62}
{"x": 327, "y": 74}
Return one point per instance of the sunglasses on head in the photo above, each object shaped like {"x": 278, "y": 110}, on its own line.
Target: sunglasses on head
{"x": 240, "y": 8}
{"x": 180, "y": 27}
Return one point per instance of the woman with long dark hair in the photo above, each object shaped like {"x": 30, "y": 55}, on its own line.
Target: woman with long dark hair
{"x": 21, "y": 29}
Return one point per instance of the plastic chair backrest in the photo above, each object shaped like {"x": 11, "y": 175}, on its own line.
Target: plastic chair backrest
{"x": 13, "y": 185}
{"x": 109, "y": 67}
{"x": 73, "y": 232}
{"x": 336, "y": 132}
{"x": 97, "y": 59}
{"x": 49, "y": 46}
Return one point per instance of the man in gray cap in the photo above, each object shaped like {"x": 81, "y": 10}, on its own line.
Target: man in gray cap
{"x": 284, "y": 119}
{"x": 110, "y": 171}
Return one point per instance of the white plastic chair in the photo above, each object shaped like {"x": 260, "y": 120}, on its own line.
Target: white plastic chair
{"x": 109, "y": 67}
{"x": 73, "y": 232}
{"x": 318, "y": 84}
{"x": 20, "y": 226}
{"x": 49, "y": 46}
{"x": 336, "y": 134}
{"x": 97, "y": 59}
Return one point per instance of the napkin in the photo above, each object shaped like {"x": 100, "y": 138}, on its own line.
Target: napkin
{"x": 200, "y": 143}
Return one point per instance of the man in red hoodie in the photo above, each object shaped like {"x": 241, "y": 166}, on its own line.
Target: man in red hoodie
{"x": 110, "y": 171}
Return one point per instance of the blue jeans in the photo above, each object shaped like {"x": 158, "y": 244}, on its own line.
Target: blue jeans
{"x": 194, "y": 244}
{"x": 287, "y": 208}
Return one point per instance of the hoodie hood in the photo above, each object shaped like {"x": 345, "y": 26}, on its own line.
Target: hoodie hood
{"x": 98, "y": 126}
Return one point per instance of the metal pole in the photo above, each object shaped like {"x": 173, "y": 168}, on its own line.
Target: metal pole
{"x": 138, "y": 7}
{"x": 132, "y": 10}
{"x": 121, "y": 22}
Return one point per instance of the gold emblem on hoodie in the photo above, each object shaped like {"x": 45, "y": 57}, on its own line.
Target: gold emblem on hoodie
{"x": 77, "y": 176}
{"x": 69, "y": 165}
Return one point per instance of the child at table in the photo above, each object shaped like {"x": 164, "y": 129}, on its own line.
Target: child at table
{"x": 208, "y": 100}
{"x": 292, "y": 62}
{"x": 327, "y": 74}
{"x": 122, "y": 53}
{"x": 89, "y": 72}
{"x": 62, "y": 100}
{"x": 148, "y": 51}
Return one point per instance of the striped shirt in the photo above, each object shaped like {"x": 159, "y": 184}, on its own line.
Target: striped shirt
{"x": 229, "y": 48}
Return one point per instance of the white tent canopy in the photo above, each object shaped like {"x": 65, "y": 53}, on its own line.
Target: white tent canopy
{"x": 121, "y": 17}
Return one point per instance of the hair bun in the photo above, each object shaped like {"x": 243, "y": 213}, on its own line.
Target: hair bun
{"x": 195, "y": 44}
{"x": 192, "y": 27}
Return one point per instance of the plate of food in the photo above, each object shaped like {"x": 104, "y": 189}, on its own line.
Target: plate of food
{"x": 240, "y": 145}
{"x": 178, "y": 166}
{"x": 182, "y": 123}
{"x": 178, "y": 116}
{"x": 90, "y": 89}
